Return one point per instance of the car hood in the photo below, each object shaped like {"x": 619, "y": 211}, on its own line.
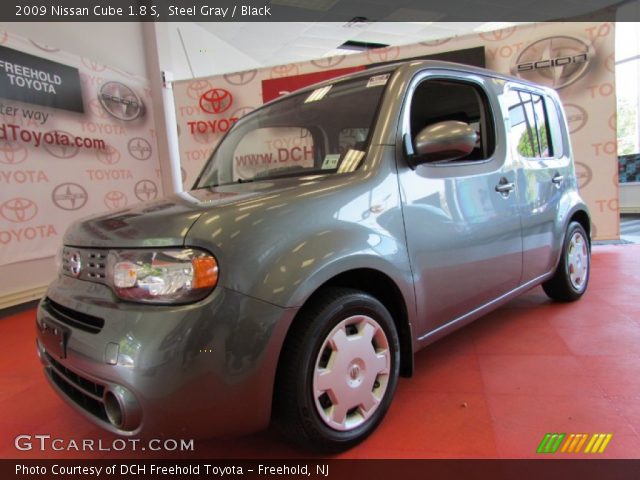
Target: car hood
{"x": 161, "y": 223}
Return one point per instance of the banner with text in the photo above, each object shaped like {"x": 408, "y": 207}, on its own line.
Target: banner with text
{"x": 76, "y": 138}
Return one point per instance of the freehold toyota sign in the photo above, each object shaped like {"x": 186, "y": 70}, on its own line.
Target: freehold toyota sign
{"x": 32, "y": 79}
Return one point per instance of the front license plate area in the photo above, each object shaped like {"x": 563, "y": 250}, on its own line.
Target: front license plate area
{"x": 54, "y": 338}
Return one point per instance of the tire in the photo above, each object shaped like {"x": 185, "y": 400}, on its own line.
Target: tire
{"x": 571, "y": 277}
{"x": 338, "y": 371}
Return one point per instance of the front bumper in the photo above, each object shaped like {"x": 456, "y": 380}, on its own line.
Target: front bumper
{"x": 199, "y": 370}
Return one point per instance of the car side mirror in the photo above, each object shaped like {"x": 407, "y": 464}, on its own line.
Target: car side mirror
{"x": 444, "y": 141}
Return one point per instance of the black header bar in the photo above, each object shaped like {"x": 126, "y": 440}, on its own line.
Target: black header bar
{"x": 314, "y": 11}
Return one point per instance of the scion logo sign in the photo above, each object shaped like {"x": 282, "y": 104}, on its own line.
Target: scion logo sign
{"x": 115, "y": 199}
{"x": 216, "y": 100}
{"x": 240, "y": 78}
{"x": 32, "y": 79}
{"x": 498, "y": 35}
{"x": 328, "y": 62}
{"x": 12, "y": 153}
{"x": 18, "y": 210}
{"x": 69, "y": 196}
{"x": 197, "y": 87}
{"x": 577, "y": 117}
{"x": 120, "y": 101}
{"x": 583, "y": 174}
{"x": 554, "y": 61}
{"x": 145, "y": 190}
{"x": 109, "y": 155}
{"x": 61, "y": 151}
{"x": 139, "y": 148}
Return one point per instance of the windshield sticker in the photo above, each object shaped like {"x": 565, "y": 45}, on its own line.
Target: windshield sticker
{"x": 378, "y": 80}
{"x": 330, "y": 161}
{"x": 351, "y": 161}
{"x": 318, "y": 94}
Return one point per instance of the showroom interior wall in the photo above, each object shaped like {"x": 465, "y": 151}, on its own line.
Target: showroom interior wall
{"x": 59, "y": 190}
{"x": 587, "y": 89}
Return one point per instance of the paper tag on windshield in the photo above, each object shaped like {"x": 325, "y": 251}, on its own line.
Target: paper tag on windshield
{"x": 378, "y": 80}
{"x": 330, "y": 161}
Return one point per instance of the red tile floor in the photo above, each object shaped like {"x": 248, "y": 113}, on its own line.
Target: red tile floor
{"x": 490, "y": 390}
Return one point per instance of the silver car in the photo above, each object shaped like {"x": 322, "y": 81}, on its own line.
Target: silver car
{"x": 333, "y": 233}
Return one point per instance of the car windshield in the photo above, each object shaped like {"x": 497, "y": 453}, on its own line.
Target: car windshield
{"x": 322, "y": 131}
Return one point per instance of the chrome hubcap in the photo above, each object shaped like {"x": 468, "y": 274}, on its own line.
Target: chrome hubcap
{"x": 578, "y": 261}
{"x": 351, "y": 372}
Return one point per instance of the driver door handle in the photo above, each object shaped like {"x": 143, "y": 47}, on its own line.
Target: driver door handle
{"x": 505, "y": 187}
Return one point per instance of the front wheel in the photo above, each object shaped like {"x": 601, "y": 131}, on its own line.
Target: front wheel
{"x": 338, "y": 371}
{"x": 572, "y": 274}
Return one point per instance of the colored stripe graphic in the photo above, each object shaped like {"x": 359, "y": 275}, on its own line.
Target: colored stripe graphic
{"x": 551, "y": 442}
{"x": 573, "y": 443}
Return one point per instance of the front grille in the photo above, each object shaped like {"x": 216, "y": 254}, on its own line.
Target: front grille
{"x": 85, "y": 393}
{"x": 73, "y": 318}
{"x": 92, "y": 263}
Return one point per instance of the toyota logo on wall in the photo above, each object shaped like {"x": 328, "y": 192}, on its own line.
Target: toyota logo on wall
{"x": 216, "y": 100}
{"x": 195, "y": 88}
{"x": 44, "y": 47}
{"x": 435, "y": 43}
{"x": 93, "y": 65}
{"x": 145, "y": 190}
{"x": 18, "y": 210}
{"x": 380, "y": 55}
{"x": 498, "y": 35}
{"x": 69, "y": 196}
{"x": 139, "y": 148}
{"x": 329, "y": 62}
{"x": 288, "y": 70}
{"x": 120, "y": 101}
{"x": 115, "y": 199}
{"x": 12, "y": 153}
{"x": 109, "y": 155}
{"x": 240, "y": 78}
{"x": 556, "y": 62}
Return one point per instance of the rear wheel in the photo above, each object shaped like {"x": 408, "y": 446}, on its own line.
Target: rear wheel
{"x": 338, "y": 372}
{"x": 572, "y": 274}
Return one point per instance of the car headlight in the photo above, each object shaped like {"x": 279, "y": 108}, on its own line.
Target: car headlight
{"x": 162, "y": 276}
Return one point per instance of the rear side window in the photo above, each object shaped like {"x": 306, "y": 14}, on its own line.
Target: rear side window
{"x": 529, "y": 130}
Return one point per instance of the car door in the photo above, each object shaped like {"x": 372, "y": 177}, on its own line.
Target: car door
{"x": 461, "y": 217}
{"x": 544, "y": 172}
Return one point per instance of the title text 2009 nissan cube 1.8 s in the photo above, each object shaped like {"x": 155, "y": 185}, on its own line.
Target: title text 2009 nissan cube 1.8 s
{"x": 332, "y": 234}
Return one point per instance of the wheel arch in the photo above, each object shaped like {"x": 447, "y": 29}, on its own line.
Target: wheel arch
{"x": 384, "y": 289}
{"x": 582, "y": 217}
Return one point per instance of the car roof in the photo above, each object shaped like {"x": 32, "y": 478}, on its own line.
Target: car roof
{"x": 412, "y": 66}
{"x": 408, "y": 68}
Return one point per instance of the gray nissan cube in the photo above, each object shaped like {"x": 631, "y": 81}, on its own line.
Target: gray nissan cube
{"x": 333, "y": 233}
